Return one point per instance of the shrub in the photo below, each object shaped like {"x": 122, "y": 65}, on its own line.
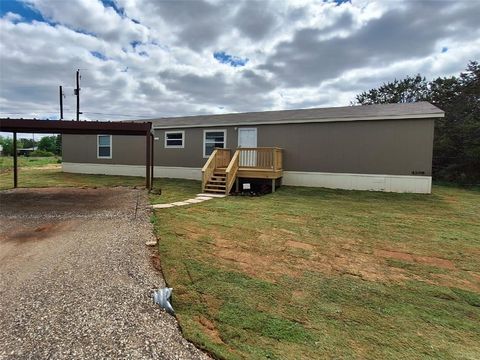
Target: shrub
{"x": 41, "y": 153}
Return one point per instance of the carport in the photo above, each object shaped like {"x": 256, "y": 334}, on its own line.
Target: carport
{"x": 84, "y": 128}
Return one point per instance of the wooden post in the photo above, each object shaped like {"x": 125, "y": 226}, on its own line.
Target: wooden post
{"x": 152, "y": 163}
{"x": 274, "y": 160}
{"x": 15, "y": 164}
{"x": 147, "y": 160}
{"x": 273, "y": 185}
{"x": 237, "y": 185}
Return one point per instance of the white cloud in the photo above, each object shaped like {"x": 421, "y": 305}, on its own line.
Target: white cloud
{"x": 155, "y": 58}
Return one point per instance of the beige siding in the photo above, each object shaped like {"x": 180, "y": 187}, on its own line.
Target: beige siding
{"x": 396, "y": 147}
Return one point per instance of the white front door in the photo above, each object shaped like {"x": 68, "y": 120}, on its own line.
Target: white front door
{"x": 247, "y": 138}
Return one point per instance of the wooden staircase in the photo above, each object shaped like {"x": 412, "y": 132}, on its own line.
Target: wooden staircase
{"x": 217, "y": 182}
{"x": 222, "y": 169}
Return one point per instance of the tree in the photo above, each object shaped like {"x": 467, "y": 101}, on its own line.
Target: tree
{"x": 27, "y": 143}
{"x": 410, "y": 89}
{"x": 7, "y": 144}
{"x": 456, "y": 151}
{"x": 58, "y": 145}
{"x": 48, "y": 143}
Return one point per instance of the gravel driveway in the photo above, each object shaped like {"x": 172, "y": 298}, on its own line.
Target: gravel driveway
{"x": 76, "y": 276}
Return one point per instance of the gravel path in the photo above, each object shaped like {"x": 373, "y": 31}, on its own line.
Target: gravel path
{"x": 76, "y": 278}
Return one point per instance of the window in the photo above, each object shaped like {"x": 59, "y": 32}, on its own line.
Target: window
{"x": 213, "y": 139}
{"x": 104, "y": 146}
{"x": 174, "y": 139}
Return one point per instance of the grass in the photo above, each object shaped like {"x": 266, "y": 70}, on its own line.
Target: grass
{"x": 53, "y": 177}
{"x": 46, "y": 172}
{"x": 317, "y": 273}
{"x": 6, "y": 162}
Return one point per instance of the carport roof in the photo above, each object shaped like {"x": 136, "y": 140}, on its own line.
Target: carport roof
{"x": 81, "y": 127}
{"x": 74, "y": 127}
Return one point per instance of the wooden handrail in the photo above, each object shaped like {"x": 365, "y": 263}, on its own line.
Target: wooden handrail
{"x": 208, "y": 169}
{"x": 231, "y": 172}
{"x": 209, "y": 161}
{"x": 219, "y": 158}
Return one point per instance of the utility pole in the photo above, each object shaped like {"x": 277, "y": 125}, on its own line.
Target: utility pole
{"x": 77, "y": 93}
{"x": 61, "y": 102}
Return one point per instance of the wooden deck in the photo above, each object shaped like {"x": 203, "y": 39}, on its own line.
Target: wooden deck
{"x": 222, "y": 170}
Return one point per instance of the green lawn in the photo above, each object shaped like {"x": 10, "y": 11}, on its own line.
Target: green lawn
{"x": 6, "y": 162}
{"x": 315, "y": 273}
{"x": 47, "y": 173}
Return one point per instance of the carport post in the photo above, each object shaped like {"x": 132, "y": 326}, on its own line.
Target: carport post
{"x": 147, "y": 160}
{"x": 152, "y": 139}
{"x": 15, "y": 167}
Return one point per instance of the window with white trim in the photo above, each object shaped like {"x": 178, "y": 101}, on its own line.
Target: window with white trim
{"x": 104, "y": 146}
{"x": 213, "y": 139}
{"x": 174, "y": 139}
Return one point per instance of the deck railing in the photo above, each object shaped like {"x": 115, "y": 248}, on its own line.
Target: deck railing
{"x": 264, "y": 163}
{"x": 220, "y": 158}
{"x": 261, "y": 158}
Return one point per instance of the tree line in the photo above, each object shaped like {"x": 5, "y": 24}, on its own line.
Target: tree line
{"x": 46, "y": 146}
{"x": 456, "y": 148}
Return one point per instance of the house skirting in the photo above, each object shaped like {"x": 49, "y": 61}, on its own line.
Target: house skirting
{"x": 374, "y": 182}
{"x": 133, "y": 170}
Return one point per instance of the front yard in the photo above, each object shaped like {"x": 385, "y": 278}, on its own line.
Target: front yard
{"x": 316, "y": 273}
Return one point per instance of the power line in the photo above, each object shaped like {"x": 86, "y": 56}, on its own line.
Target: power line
{"x": 27, "y": 110}
{"x": 125, "y": 115}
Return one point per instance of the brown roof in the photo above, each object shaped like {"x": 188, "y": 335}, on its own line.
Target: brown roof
{"x": 74, "y": 127}
{"x": 344, "y": 113}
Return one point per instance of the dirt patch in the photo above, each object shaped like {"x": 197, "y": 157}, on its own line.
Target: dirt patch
{"x": 256, "y": 265}
{"x": 475, "y": 275}
{"x": 357, "y": 264}
{"x": 299, "y": 245}
{"x": 266, "y": 256}
{"x": 223, "y": 243}
{"x": 335, "y": 257}
{"x": 295, "y": 219}
{"x": 299, "y": 295}
{"x": 428, "y": 260}
{"x": 46, "y": 167}
{"x": 452, "y": 281}
{"x": 37, "y": 233}
{"x": 156, "y": 263}
{"x": 209, "y": 328}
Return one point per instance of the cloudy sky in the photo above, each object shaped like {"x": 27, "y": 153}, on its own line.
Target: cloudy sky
{"x": 151, "y": 58}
